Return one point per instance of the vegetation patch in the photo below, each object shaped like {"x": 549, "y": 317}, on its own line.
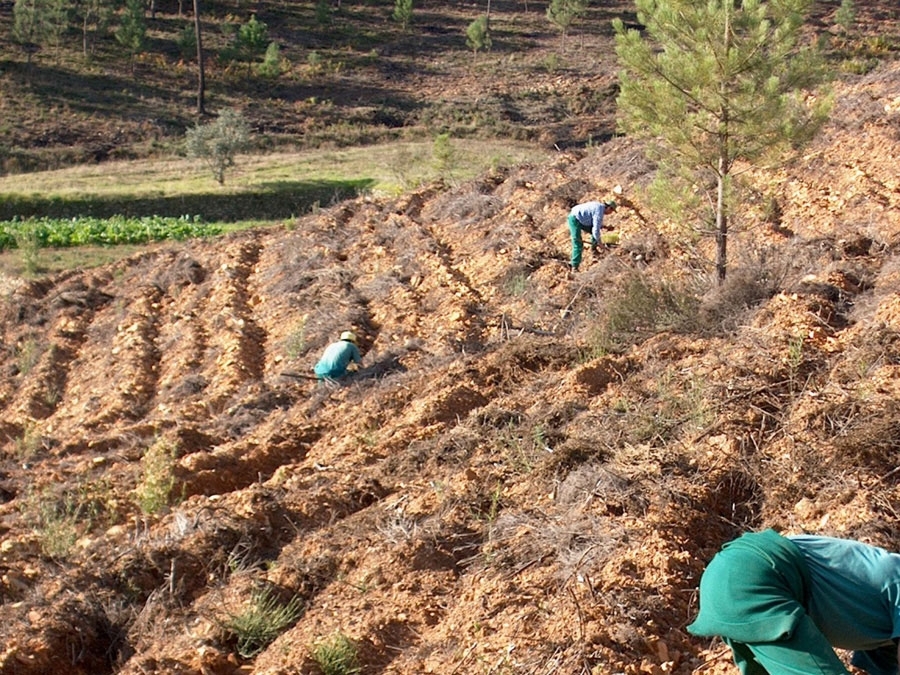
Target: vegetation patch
{"x": 336, "y": 655}
{"x": 262, "y": 620}
{"x": 32, "y": 233}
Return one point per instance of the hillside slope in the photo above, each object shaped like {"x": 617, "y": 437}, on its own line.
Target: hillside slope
{"x": 351, "y": 75}
{"x": 493, "y": 492}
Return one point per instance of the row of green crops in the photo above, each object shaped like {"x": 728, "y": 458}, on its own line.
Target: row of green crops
{"x": 62, "y": 233}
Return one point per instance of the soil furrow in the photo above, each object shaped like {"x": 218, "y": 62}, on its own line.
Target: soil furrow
{"x": 138, "y": 356}
{"x": 236, "y": 341}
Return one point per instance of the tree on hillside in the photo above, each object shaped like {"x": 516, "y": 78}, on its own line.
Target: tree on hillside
{"x": 201, "y": 68}
{"x": 56, "y": 24}
{"x": 28, "y": 21}
{"x": 403, "y": 10}
{"x": 39, "y": 23}
{"x": 218, "y": 142}
{"x": 478, "y": 35}
{"x": 132, "y": 32}
{"x": 323, "y": 12}
{"x": 251, "y": 41}
{"x": 563, "y": 13}
{"x": 94, "y": 16}
{"x": 715, "y": 83}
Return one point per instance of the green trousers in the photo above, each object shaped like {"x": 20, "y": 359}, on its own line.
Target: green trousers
{"x": 577, "y": 242}
{"x": 806, "y": 652}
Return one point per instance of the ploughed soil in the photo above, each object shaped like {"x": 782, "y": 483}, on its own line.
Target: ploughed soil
{"x": 530, "y": 469}
{"x": 497, "y": 489}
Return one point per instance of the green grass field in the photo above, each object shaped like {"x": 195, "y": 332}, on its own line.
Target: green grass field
{"x": 385, "y": 169}
{"x": 260, "y": 190}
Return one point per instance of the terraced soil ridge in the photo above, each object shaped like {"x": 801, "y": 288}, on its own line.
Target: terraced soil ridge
{"x": 526, "y": 475}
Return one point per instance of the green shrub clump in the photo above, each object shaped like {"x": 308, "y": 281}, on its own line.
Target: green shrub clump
{"x": 261, "y": 621}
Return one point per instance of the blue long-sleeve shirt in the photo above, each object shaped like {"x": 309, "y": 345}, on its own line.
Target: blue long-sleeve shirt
{"x": 336, "y": 358}
{"x": 590, "y": 217}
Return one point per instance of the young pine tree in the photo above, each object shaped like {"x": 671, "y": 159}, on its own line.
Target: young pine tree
{"x": 563, "y": 13}
{"x": 478, "y": 35}
{"x": 714, "y": 83}
{"x": 28, "y": 24}
{"x": 94, "y": 16}
{"x": 845, "y": 16}
{"x": 57, "y": 23}
{"x": 251, "y": 41}
{"x": 39, "y": 23}
{"x": 403, "y": 10}
{"x": 132, "y": 32}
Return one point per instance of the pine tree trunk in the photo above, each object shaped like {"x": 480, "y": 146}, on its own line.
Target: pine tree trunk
{"x": 722, "y": 172}
{"x": 201, "y": 74}
{"x": 721, "y": 225}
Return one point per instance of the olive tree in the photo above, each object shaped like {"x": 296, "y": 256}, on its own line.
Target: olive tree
{"x": 218, "y": 142}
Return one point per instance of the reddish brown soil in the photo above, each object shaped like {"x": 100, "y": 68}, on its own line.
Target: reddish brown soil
{"x": 490, "y": 494}
{"x": 484, "y": 496}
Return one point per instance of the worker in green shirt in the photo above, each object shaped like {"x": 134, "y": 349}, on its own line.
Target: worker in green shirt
{"x": 783, "y": 603}
{"x": 337, "y": 356}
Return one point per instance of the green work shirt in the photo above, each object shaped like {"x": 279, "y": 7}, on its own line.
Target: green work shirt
{"x": 753, "y": 590}
{"x": 791, "y": 599}
{"x": 336, "y": 358}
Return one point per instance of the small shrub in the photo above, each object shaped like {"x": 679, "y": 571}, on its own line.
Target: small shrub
{"x": 516, "y": 283}
{"x": 28, "y": 242}
{"x": 636, "y": 308}
{"x": 57, "y": 522}
{"x": 337, "y": 655}
{"x": 489, "y": 508}
{"x": 444, "y": 155}
{"x": 271, "y": 65}
{"x": 518, "y": 452}
{"x": 28, "y": 353}
{"x": 28, "y": 443}
{"x": 550, "y": 63}
{"x": 677, "y": 404}
{"x": 845, "y": 16}
{"x": 295, "y": 344}
{"x": 264, "y": 618}
{"x": 59, "y": 527}
{"x": 154, "y": 492}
